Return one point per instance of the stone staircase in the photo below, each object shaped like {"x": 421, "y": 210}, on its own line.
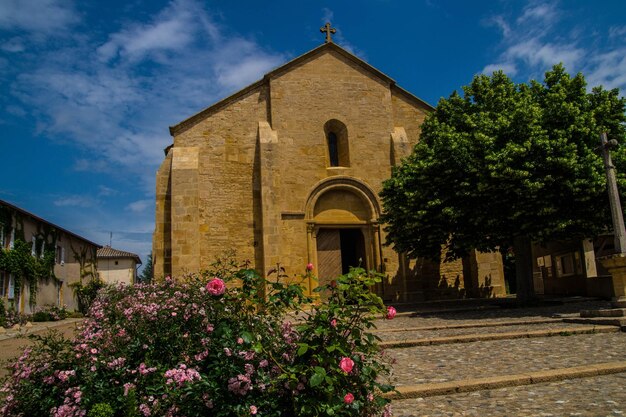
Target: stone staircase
{"x": 481, "y": 363}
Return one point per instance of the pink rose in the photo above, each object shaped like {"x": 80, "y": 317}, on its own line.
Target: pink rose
{"x": 309, "y": 267}
{"x": 348, "y": 398}
{"x": 391, "y": 313}
{"x": 216, "y": 287}
{"x": 333, "y": 322}
{"x": 253, "y": 409}
{"x": 346, "y": 364}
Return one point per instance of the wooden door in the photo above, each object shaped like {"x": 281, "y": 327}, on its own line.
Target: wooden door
{"x": 328, "y": 255}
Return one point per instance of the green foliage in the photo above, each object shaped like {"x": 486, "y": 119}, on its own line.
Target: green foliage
{"x": 223, "y": 343}
{"x": 49, "y": 352}
{"x": 147, "y": 275}
{"x": 504, "y": 161}
{"x": 86, "y": 293}
{"x": 49, "y": 313}
{"x": 3, "y": 314}
{"x": 26, "y": 268}
{"x": 101, "y": 410}
{"x": 337, "y": 328}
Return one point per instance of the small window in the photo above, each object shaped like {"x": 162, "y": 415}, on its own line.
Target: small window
{"x": 116, "y": 263}
{"x": 337, "y": 143}
{"x": 11, "y": 288}
{"x": 333, "y": 152}
{"x": 60, "y": 255}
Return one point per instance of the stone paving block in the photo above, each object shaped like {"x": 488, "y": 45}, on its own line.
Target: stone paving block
{"x": 495, "y": 382}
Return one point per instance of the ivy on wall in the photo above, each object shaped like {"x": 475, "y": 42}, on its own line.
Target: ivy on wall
{"x": 19, "y": 260}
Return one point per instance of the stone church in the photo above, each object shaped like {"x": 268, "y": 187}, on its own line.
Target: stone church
{"x": 288, "y": 170}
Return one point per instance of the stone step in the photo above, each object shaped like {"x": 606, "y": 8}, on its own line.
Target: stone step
{"x": 608, "y": 312}
{"x": 493, "y": 382}
{"x": 619, "y": 322}
{"x": 476, "y": 325}
{"x": 498, "y": 336}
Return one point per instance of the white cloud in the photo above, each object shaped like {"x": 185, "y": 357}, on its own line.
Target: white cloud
{"x": 105, "y": 191}
{"x": 534, "y": 41}
{"x": 501, "y": 23}
{"x": 608, "y": 69}
{"x": 116, "y": 100}
{"x": 140, "y": 205}
{"x": 172, "y": 29}
{"x": 539, "y": 54}
{"x": 508, "y": 68}
{"x": 327, "y": 16}
{"x": 617, "y": 31}
{"x": 74, "y": 201}
{"x": 542, "y": 12}
{"x": 43, "y": 16}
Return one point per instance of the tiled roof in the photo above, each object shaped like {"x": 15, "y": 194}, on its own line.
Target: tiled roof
{"x": 109, "y": 252}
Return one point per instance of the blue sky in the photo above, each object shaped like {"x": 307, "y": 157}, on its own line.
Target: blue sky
{"x": 89, "y": 88}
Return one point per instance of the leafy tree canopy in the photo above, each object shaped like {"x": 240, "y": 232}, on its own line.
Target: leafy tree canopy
{"x": 505, "y": 161}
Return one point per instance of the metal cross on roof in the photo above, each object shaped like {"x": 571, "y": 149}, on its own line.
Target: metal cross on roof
{"x": 326, "y": 28}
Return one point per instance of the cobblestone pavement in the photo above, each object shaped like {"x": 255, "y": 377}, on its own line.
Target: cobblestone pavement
{"x": 595, "y": 396}
{"x": 585, "y": 397}
{"x": 422, "y": 334}
{"x": 423, "y": 364}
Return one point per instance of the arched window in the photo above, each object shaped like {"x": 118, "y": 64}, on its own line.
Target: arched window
{"x": 333, "y": 152}
{"x": 337, "y": 142}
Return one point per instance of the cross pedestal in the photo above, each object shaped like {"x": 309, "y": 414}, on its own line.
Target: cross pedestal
{"x": 616, "y": 265}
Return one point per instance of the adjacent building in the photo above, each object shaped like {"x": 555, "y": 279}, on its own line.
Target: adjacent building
{"x": 117, "y": 266}
{"x": 39, "y": 261}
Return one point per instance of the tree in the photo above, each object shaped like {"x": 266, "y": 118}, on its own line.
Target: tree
{"x": 505, "y": 165}
{"x": 147, "y": 274}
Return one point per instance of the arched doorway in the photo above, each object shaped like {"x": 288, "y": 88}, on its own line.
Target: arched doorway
{"x": 342, "y": 216}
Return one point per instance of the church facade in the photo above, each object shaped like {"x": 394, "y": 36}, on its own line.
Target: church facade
{"x": 288, "y": 171}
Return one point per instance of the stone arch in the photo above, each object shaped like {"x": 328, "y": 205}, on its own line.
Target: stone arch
{"x": 342, "y": 215}
{"x": 337, "y": 143}
{"x": 343, "y": 184}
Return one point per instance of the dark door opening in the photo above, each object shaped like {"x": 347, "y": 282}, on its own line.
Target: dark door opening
{"x": 352, "y": 249}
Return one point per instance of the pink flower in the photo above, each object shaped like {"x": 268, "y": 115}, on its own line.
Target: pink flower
{"x": 391, "y": 313}
{"x": 216, "y": 287}
{"x": 309, "y": 267}
{"x": 240, "y": 341}
{"x": 348, "y": 398}
{"x": 173, "y": 314}
{"x": 253, "y": 409}
{"x": 333, "y": 322}
{"x": 346, "y": 364}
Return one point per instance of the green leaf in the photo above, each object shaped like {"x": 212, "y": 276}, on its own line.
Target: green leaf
{"x": 316, "y": 379}
{"x": 302, "y": 349}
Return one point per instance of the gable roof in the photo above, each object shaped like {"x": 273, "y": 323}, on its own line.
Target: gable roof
{"x": 39, "y": 219}
{"x": 331, "y": 46}
{"x": 108, "y": 252}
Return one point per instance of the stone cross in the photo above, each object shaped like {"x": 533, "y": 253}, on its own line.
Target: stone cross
{"x": 326, "y": 28}
{"x": 616, "y": 208}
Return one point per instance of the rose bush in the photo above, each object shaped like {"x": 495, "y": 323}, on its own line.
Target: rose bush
{"x": 223, "y": 343}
